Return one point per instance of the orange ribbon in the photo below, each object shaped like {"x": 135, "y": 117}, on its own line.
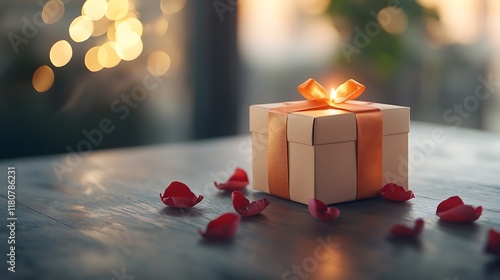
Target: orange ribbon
{"x": 369, "y": 136}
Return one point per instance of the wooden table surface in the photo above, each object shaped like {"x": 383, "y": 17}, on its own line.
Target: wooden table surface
{"x": 104, "y": 218}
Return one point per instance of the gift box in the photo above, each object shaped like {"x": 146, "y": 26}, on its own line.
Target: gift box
{"x": 329, "y": 150}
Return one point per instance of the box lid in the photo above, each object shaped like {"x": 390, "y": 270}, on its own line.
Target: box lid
{"x": 324, "y": 126}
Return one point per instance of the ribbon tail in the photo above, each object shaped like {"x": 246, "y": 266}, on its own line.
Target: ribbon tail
{"x": 369, "y": 153}
{"x": 278, "y": 154}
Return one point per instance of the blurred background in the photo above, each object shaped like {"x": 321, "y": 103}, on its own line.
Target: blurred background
{"x": 86, "y": 75}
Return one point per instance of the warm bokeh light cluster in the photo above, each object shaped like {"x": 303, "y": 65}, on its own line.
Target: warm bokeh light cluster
{"x": 118, "y": 23}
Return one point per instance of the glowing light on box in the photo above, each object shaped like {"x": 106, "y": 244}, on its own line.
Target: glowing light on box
{"x": 160, "y": 26}
{"x": 92, "y": 60}
{"x": 81, "y": 28}
{"x": 60, "y": 53}
{"x": 393, "y": 20}
{"x": 172, "y": 6}
{"x": 43, "y": 78}
{"x": 52, "y": 11}
{"x": 95, "y": 9}
{"x": 314, "y": 7}
{"x": 117, "y": 9}
{"x": 107, "y": 55}
{"x": 101, "y": 26}
{"x": 158, "y": 63}
{"x": 129, "y": 24}
{"x": 333, "y": 95}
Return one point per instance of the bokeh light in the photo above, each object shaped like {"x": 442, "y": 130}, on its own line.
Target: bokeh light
{"x": 43, "y": 78}
{"x": 130, "y": 52}
{"x": 158, "y": 63}
{"x": 52, "y": 11}
{"x": 92, "y": 59}
{"x": 81, "y": 28}
{"x": 95, "y": 9}
{"x": 129, "y": 24}
{"x": 160, "y": 26}
{"x": 119, "y": 22}
{"x": 111, "y": 33}
{"x": 107, "y": 55}
{"x": 127, "y": 38}
{"x": 314, "y": 7}
{"x": 393, "y": 20}
{"x": 101, "y": 26}
{"x": 172, "y": 6}
{"x": 60, "y": 53}
{"x": 117, "y": 9}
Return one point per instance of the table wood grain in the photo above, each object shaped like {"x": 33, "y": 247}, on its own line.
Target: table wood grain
{"x": 104, "y": 218}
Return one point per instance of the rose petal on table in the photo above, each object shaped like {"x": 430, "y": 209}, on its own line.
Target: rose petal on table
{"x": 396, "y": 192}
{"x": 493, "y": 244}
{"x": 222, "y": 228}
{"x": 243, "y": 206}
{"x": 177, "y": 194}
{"x": 238, "y": 181}
{"x": 461, "y": 214}
{"x": 453, "y": 209}
{"x": 321, "y": 211}
{"x": 403, "y": 230}
{"x": 449, "y": 203}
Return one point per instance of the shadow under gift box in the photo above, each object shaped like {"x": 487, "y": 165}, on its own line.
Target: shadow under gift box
{"x": 322, "y": 151}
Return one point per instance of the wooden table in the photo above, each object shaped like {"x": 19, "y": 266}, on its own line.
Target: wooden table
{"x": 104, "y": 218}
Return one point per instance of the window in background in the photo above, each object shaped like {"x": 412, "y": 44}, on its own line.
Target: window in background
{"x": 429, "y": 54}
{"x": 85, "y": 75}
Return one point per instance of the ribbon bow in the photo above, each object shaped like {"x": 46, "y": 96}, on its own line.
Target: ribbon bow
{"x": 349, "y": 90}
{"x": 368, "y": 144}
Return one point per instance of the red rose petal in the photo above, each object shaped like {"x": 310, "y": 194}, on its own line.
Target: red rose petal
{"x": 321, "y": 211}
{"x": 402, "y": 230}
{"x": 222, "y": 228}
{"x": 245, "y": 208}
{"x": 395, "y": 192}
{"x": 453, "y": 209}
{"x": 177, "y": 194}
{"x": 449, "y": 203}
{"x": 493, "y": 245}
{"x": 461, "y": 214}
{"x": 238, "y": 181}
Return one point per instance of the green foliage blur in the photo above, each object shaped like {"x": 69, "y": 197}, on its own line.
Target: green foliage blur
{"x": 385, "y": 51}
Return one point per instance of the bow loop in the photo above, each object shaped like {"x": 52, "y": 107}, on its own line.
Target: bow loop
{"x": 349, "y": 90}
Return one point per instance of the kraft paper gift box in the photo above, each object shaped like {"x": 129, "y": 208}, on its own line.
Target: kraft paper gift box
{"x": 322, "y": 152}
